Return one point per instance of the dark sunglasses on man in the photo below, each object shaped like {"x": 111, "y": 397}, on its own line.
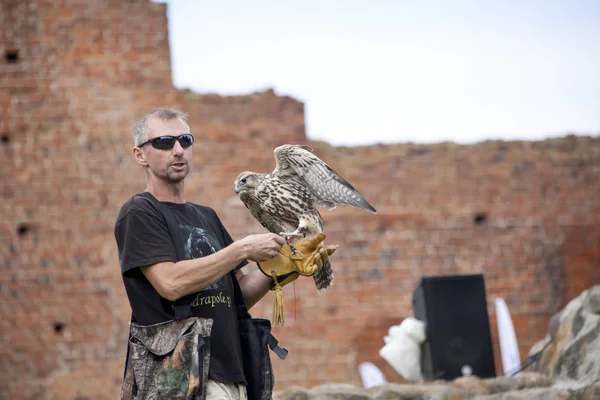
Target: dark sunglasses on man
{"x": 167, "y": 142}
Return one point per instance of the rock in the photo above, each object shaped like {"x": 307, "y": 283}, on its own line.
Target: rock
{"x": 431, "y": 391}
{"x": 550, "y": 393}
{"x": 339, "y": 391}
{"x": 292, "y": 394}
{"x": 528, "y": 386}
{"x": 573, "y": 344}
{"x": 594, "y": 302}
{"x": 592, "y": 392}
{"x": 471, "y": 384}
{"x": 526, "y": 380}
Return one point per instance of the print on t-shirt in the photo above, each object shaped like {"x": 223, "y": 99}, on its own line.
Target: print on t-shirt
{"x": 200, "y": 245}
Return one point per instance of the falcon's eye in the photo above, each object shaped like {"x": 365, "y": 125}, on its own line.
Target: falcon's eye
{"x": 243, "y": 180}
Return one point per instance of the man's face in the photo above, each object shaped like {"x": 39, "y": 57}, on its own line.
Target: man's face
{"x": 173, "y": 164}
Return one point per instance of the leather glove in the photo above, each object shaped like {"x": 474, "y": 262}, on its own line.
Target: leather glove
{"x": 304, "y": 257}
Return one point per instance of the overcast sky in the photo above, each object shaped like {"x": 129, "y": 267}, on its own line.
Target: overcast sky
{"x": 398, "y": 70}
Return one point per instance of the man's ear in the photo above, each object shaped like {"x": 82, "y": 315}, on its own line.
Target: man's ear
{"x": 140, "y": 156}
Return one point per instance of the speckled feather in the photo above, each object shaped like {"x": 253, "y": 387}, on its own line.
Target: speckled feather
{"x": 300, "y": 181}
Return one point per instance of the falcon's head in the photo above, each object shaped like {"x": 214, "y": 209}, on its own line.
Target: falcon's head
{"x": 246, "y": 181}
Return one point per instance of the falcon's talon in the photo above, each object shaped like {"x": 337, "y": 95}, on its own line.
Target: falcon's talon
{"x": 289, "y": 235}
{"x": 300, "y": 232}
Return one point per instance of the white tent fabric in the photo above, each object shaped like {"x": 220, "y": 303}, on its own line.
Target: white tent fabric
{"x": 371, "y": 375}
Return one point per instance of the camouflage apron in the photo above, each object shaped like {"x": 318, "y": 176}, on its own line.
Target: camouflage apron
{"x": 169, "y": 360}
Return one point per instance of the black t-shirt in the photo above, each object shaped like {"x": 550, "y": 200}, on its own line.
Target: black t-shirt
{"x": 143, "y": 239}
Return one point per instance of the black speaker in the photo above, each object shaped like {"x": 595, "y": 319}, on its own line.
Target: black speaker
{"x": 458, "y": 340}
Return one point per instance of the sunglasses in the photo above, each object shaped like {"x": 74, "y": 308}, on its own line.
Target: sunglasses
{"x": 167, "y": 142}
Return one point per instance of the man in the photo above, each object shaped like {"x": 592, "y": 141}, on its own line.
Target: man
{"x": 155, "y": 278}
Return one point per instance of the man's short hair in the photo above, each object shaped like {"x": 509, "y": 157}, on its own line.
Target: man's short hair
{"x": 140, "y": 132}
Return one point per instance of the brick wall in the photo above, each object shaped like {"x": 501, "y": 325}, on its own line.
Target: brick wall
{"x": 74, "y": 77}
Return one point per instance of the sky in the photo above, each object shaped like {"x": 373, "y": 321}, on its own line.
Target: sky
{"x": 394, "y": 71}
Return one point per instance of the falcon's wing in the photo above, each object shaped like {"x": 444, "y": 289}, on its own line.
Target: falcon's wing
{"x": 327, "y": 186}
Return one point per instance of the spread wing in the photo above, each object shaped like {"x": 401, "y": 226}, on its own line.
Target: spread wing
{"x": 328, "y": 188}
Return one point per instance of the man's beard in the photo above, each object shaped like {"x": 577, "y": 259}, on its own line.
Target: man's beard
{"x": 176, "y": 176}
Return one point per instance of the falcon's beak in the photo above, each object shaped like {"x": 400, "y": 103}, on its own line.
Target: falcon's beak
{"x": 238, "y": 188}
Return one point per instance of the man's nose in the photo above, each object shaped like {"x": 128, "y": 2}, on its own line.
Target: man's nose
{"x": 177, "y": 149}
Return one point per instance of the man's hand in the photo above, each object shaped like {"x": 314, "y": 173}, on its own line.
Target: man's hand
{"x": 261, "y": 247}
{"x": 305, "y": 257}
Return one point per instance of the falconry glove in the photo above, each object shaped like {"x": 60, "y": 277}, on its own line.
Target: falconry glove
{"x": 303, "y": 257}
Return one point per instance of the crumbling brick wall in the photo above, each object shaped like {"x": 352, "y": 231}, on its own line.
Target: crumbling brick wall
{"x": 74, "y": 77}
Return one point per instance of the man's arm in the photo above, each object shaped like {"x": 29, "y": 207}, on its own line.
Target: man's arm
{"x": 176, "y": 280}
{"x": 254, "y": 285}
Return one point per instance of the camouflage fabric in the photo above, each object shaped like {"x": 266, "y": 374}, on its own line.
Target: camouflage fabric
{"x": 169, "y": 360}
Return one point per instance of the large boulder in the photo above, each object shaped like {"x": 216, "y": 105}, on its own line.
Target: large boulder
{"x": 571, "y": 350}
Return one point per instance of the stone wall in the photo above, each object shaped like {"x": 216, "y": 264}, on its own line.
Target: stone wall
{"x": 74, "y": 77}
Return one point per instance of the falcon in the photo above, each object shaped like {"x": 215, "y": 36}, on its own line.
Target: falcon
{"x": 285, "y": 200}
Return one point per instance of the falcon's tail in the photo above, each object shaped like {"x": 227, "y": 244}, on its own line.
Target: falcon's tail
{"x": 324, "y": 277}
